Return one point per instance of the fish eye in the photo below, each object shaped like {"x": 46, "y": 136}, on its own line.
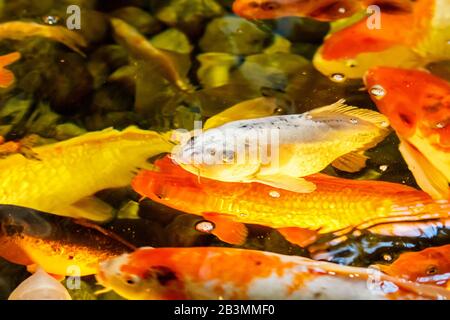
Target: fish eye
{"x": 132, "y": 280}
{"x": 270, "y": 5}
{"x": 191, "y": 140}
{"x": 432, "y": 270}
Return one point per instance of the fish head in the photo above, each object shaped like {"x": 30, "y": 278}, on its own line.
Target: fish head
{"x": 324, "y": 10}
{"x": 422, "y": 266}
{"x": 413, "y": 100}
{"x": 349, "y": 52}
{"x": 142, "y": 275}
{"x": 214, "y": 155}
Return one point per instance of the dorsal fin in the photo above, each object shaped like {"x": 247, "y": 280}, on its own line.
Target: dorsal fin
{"x": 340, "y": 108}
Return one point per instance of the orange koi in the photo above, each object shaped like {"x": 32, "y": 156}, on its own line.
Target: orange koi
{"x": 408, "y": 40}
{"x": 431, "y": 265}
{"x": 336, "y": 204}
{"x": 7, "y": 77}
{"x": 324, "y": 10}
{"x": 211, "y": 273}
{"x": 418, "y": 107}
{"x": 58, "y": 245}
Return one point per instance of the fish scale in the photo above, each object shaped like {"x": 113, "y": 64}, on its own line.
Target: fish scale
{"x": 336, "y": 204}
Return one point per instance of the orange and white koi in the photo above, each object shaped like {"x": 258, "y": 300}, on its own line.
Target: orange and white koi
{"x": 431, "y": 265}
{"x": 7, "y": 77}
{"x": 211, "y": 273}
{"x": 407, "y": 40}
{"x": 418, "y": 107}
{"x": 337, "y": 203}
{"x": 324, "y": 10}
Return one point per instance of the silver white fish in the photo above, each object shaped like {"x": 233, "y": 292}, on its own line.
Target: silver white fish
{"x": 280, "y": 150}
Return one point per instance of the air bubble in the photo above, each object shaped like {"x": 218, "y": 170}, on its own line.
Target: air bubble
{"x": 205, "y": 226}
{"x": 279, "y": 110}
{"x": 377, "y": 91}
{"x": 51, "y": 20}
{"x": 274, "y": 194}
{"x": 338, "y": 77}
{"x": 387, "y": 257}
{"x": 441, "y": 125}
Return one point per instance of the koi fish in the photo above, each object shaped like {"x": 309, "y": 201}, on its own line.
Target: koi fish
{"x": 211, "y": 273}
{"x": 418, "y": 107}
{"x": 141, "y": 48}
{"x": 58, "y": 245}
{"x": 279, "y": 150}
{"x": 324, "y": 10}
{"x": 6, "y": 76}
{"x": 19, "y": 30}
{"x": 337, "y": 204}
{"x": 68, "y": 173}
{"x": 408, "y": 40}
{"x": 431, "y": 265}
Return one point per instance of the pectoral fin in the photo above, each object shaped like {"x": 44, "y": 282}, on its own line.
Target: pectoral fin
{"x": 226, "y": 229}
{"x": 350, "y": 162}
{"x": 289, "y": 183}
{"x": 90, "y": 208}
{"x": 299, "y": 236}
{"x": 429, "y": 179}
